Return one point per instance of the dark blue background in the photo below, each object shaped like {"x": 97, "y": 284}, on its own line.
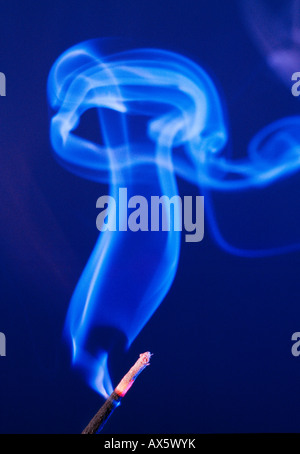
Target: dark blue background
{"x": 222, "y": 336}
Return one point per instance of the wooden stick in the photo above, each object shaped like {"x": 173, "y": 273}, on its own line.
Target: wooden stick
{"x": 96, "y": 424}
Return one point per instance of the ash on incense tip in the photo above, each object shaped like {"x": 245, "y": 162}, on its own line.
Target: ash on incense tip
{"x": 96, "y": 424}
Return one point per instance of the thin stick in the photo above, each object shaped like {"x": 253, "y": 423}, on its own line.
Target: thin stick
{"x": 96, "y": 424}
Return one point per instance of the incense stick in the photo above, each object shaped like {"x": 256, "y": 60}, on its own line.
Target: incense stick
{"x": 96, "y": 424}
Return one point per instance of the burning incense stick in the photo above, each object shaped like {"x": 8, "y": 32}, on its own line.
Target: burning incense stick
{"x": 96, "y": 424}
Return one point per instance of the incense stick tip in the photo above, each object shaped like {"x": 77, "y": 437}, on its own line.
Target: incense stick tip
{"x": 145, "y": 357}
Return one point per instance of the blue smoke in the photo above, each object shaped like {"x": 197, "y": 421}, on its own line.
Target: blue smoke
{"x": 160, "y": 117}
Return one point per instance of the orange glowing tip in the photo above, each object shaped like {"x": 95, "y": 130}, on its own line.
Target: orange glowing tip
{"x": 128, "y": 380}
